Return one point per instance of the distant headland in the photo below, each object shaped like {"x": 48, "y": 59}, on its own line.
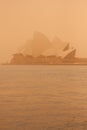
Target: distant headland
{"x": 41, "y": 51}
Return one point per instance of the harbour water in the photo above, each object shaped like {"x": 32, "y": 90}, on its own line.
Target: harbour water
{"x": 43, "y": 97}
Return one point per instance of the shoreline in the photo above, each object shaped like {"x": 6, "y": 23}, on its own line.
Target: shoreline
{"x": 76, "y": 64}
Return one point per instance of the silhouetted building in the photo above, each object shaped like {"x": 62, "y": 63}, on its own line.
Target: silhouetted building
{"x": 41, "y": 51}
{"x": 70, "y": 57}
{"x": 18, "y": 59}
{"x": 66, "y": 47}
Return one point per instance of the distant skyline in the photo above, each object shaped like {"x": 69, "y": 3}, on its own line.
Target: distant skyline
{"x": 19, "y": 19}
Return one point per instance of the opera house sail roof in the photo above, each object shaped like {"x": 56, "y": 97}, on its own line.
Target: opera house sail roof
{"x": 40, "y": 47}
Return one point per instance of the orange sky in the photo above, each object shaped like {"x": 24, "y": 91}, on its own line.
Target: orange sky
{"x": 20, "y": 18}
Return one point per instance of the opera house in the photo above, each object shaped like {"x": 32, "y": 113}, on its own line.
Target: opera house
{"x": 40, "y": 50}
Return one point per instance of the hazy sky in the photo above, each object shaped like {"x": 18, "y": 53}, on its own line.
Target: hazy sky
{"x": 20, "y": 18}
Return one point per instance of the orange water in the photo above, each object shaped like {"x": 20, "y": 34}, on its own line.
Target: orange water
{"x": 43, "y": 98}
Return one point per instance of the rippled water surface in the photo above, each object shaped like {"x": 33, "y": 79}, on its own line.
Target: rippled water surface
{"x": 43, "y": 97}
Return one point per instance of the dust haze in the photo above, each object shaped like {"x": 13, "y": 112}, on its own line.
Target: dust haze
{"x": 19, "y": 19}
